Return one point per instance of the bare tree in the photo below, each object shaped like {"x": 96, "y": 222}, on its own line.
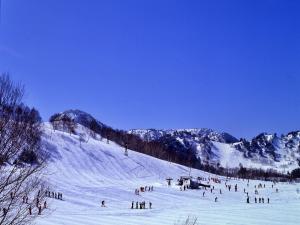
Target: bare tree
{"x": 188, "y": 221}
{"x": 21, "y": 187}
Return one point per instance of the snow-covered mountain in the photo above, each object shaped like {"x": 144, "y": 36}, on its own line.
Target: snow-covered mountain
{"x": 272, "y": 149}
{"x": 210, "y": 147}
{"x": 195, "y": 134}
{"x": 265, "y": 150}
{"x": 78, "y": 117}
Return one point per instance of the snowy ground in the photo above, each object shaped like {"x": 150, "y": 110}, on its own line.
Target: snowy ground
{"x": 97, "y": 171}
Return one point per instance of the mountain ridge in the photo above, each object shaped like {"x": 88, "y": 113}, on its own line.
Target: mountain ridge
{"x": 208, "y": 146}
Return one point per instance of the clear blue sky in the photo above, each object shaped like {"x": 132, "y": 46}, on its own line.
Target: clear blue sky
{"x": 228, "y": 65}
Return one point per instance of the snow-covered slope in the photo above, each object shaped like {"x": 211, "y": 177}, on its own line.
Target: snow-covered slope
{"x": 82, "y": 152}
{"x": 88, "y": 170}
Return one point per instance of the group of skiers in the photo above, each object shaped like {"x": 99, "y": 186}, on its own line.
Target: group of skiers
{"x": 258, "y": 200}
{"x": 140, "y": 205}
{"x": 25, "y": 200}
{"x": 55, "y": 195}
{"x": 216, "y": 180}
{"x": 39, "y": 207}
{"x": 143, "y": 189}
{"x": 260, "y": 185}
{"x": 229, "y": 187}
{"x": 261, "y": 200}
{"x": 184, "y": 187}
{"x": 38, "y": 204}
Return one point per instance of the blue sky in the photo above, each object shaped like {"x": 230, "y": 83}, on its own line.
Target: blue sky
{"x": 228, "y": 65}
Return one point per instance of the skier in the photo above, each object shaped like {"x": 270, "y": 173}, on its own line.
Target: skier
{"x": 255, "y": 200}
{"x": 263, "y": 200}
{"x": 150, "y": 205}
{"x": 259, "y": 200}
{"x": 268, "y": 200}
{"x": 45, "y": 205}
{"x": 40, "y": 210}
{"x": 216, "y": 199}
{"x": 203, "y": 194}
{"x": 136, "y": 205}
{"x": 103, "y": 203}
{"x": 132, "y": 205}
{"x": 4, "y": 211}
{"x": 248, "y": 200}
{"x": 30, "y": 210}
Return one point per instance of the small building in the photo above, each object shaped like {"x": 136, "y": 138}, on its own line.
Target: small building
{"x": 184, "y": 180}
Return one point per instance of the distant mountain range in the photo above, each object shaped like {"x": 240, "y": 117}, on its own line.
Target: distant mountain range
{"x": 215, "y": 148}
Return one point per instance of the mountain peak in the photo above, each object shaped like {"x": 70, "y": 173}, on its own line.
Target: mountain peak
{"x": 78, "y": 116}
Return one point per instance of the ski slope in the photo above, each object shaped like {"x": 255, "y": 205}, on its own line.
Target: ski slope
{"x": 92, "y": 170}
